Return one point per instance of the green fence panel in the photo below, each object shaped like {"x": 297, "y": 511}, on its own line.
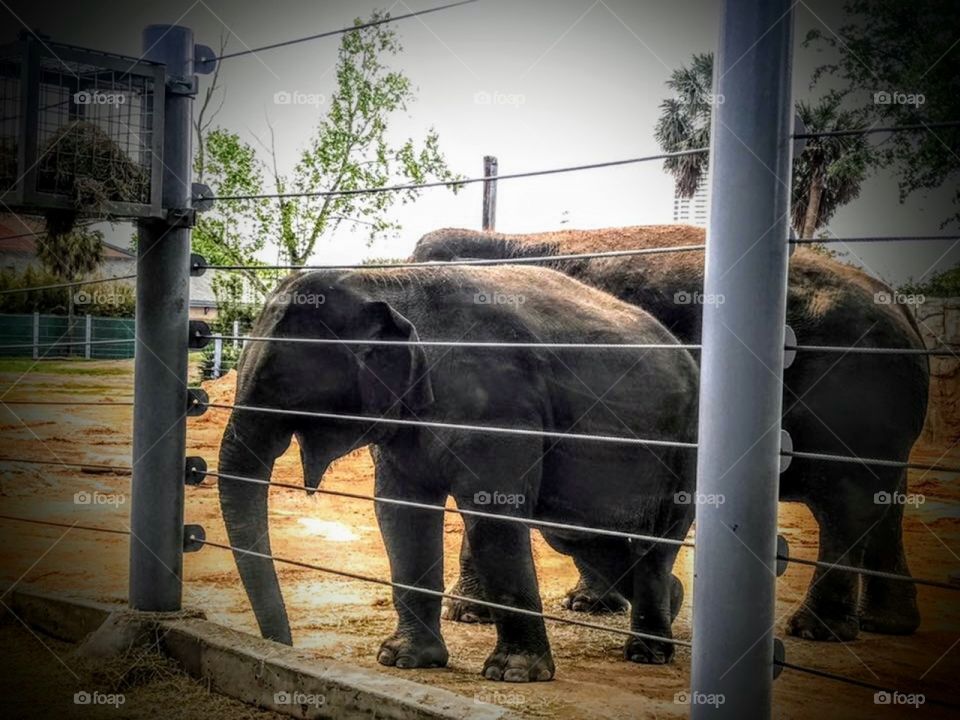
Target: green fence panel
{"x": 58, "y": 338}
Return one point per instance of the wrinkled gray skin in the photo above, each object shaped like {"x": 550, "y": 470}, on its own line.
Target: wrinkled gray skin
{"x": 613, "y": 392}
{"x": 867, "y": 406}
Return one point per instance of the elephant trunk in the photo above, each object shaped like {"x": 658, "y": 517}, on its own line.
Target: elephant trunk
{"x": 244, "y": 509}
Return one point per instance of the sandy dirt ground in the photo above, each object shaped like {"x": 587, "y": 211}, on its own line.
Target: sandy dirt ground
{"x": 346, "y": 620}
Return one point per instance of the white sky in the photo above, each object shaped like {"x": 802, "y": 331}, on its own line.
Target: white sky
{"x": 588, "y": 77}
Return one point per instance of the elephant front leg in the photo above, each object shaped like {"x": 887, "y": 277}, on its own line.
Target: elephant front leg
{"x": 414, "y": 543}
{"x": 468, "y": 585}
{"x": 504, "y": 561}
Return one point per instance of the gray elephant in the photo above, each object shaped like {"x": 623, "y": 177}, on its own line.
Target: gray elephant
{"x": 637, "y": 488}
{"x": 847, "y": 404}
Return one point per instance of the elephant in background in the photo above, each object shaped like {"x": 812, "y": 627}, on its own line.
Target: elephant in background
{"x": 635, "y": 488}
{"x": 861, "y": 405}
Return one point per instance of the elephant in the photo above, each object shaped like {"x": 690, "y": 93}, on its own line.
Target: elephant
{"x": 629, "y": 486}
{"x": 868, "y": 406}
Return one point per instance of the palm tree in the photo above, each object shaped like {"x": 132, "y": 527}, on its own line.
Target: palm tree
{"x": 826, "y": 175}
{"x": 684, "y": 122}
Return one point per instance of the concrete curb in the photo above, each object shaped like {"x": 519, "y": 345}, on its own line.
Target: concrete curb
{"x": 261, "y": 672}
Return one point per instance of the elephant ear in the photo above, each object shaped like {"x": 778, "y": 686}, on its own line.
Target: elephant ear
{"x": 394, "y": 379}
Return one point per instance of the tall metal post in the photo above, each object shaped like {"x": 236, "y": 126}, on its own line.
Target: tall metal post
{"x": 741, "y": 366}
{"x": 489, "y": 220}
{"x": 160, "y": 381}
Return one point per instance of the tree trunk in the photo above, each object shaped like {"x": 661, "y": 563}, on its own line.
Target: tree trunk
{"x": 812, "y": 217}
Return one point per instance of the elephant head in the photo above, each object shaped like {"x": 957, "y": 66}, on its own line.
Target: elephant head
{"x": 370, "y": 380}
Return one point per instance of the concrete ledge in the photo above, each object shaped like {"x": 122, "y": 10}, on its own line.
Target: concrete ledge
{"x": 261, "y": 672}
{"x": 64, "y": 618}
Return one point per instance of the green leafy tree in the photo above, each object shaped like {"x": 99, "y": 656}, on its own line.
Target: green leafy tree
{"x": 349, "y": 150}
{"x": 898, "y": 62}
{"x": 942, "y": 284}
{"x": 826, "y": 175}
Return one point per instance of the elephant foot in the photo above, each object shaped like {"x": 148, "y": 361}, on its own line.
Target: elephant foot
{"x": 463, "y": 610}
{"x": 511, "y": 664}
{"x": 823, "y": 625}
{"x": 583, "y": 598}
{"x": 890, "y": 618}
{"x": 407, "y": 651}
{"x": 648, "y": 652}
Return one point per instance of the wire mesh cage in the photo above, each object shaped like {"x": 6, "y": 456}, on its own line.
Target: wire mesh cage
{"x": 81, "y": 131}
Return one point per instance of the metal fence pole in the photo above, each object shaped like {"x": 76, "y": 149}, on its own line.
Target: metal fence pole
{"x": 163, "y": 289}
{"x": 88, "y": 336}
{"x": 489, "y": 219}
{"x": 236, "y": 333}
{"x": 36, "y": 335}
{"x": 217, "y": 355}
{"x": 741, "y": 370}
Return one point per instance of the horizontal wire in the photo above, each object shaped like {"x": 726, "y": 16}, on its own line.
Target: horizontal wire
{"x": 470, "y": 261}
{"x": 69, "y": 526}
{"x": 455, "y": 511}
{"x": 859, "y": 683}
{"x": 872, "y": 239}
{"x": 455, "y": 426}
{"x": 827, "y": 457}
{"x": 57, "y": 286}
{"x": 68, "y": 403}
{"x": 871, "y": 573}
{"x": 94, "y": 466}
{"x": 569, "y": 346}
{"x": 61, "y": 343}
{"x": 341, "y": 31}
{"x": 454, "y": 183}
{"x": 933, "y": 352}
{"x": 438, "y": 593}
{"x": 874, "y": 130}
{"x": 459, "y": 343}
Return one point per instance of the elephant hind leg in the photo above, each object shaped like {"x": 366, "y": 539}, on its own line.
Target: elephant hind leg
{"x": 888, "y": 606}
{"x": 830, "y": 609}
{"x": 468, "y": 585}
{"x": 592, "y": 594}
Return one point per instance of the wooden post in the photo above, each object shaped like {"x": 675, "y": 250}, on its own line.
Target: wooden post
{"x": 489, "y": 193}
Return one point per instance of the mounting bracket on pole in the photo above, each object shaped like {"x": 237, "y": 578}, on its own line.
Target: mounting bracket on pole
{"x": 789, "y": 341}
{"x": 202, "y": 197}
{"x": 779, "y": 657}
{"x": 783, "y": 554}
{"x": 199, "y": 335}
{"x": 183, "y": 218}
{"x": 786, "y": 446}
{"x": 198, "y": 265}
{"x": 193, "y": 537}
{"x": 195, "y": 471}
{"x": 197, "y": 402}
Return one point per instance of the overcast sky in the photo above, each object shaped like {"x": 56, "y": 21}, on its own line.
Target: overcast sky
{"x": 578, "y": 81}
